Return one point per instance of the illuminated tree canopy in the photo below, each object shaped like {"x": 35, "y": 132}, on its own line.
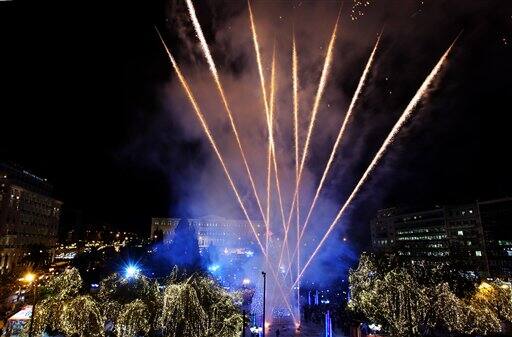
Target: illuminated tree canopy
{"x": 192, "y": 307}
{"x": 408, "y": 305}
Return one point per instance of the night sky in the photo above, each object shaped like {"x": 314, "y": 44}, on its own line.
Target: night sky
{"x": 83, "y": 86}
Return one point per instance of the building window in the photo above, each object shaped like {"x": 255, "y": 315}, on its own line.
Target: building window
{"x": 460, "y": 233}
{"x": 478, "y": 253}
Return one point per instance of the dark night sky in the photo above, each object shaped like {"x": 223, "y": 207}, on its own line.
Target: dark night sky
{"x": 80, "y": 81}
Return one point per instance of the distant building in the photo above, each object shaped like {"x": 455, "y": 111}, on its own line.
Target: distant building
{"x": 29, "y": 215}
{"x": 476, "y": 235}
{"x": 230, "y": 236}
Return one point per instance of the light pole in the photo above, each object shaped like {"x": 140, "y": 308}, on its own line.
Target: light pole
{"x": 243, "y": 323}
{"x": 31, "y": 279}
{"x": 264, "y": 291}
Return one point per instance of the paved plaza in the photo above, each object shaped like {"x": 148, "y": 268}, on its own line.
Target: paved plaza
{"x": 290, "y": 331}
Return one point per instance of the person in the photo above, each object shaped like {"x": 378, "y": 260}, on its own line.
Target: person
{"x": 278, "y": 333}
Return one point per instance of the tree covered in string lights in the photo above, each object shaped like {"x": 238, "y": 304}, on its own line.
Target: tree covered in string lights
{"x": 184, "y": 307}
{"x": 57, "y": 293}
{"x": 118, "y": 294}
{"x": 224, "y": 318}
{"x": 82, "y": 316}
{"x": 133, "y": 318}
{"x": 421, "y": 299}
{"x": 198, "y": 307}
{"x": 182, "y": 314}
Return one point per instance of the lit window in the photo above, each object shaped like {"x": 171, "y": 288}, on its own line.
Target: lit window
{"x": 460, "y": 233}
{"x": 478, "y": 253}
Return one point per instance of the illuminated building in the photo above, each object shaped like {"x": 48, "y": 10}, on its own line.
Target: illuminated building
{"x": 230, "y": 236}
{"x": 29, "y": 215}
{"x": 162, "y": 228}
{"x": 476, "y": 235}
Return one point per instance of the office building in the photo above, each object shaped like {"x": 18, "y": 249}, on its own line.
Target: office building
{"x": 478, "y": 236}
{"x": 29, "y": 215}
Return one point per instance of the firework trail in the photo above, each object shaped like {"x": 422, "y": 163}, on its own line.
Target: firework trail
{"x": 295, "y": 81}
{"x": 209, "y": 135}
{"x": 272, "y": 141}
{"x": 215, "y": 74}
{"x": 348, "y": 115}
{"x": 266, "y": 106}
{"x": 314, "y": 111}
{"x": 274, "y": 157}
{"x": 269, "y": 172}
{"x": 406, "y": 115}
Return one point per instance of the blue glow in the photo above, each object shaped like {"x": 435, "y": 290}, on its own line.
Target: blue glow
{"x": 249, "y": 253}
{"x": 131, "y": 271}
{"x": 213, "y": 268}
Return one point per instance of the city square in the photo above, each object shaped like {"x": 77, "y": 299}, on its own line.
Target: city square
{"x": 181, "y": 168}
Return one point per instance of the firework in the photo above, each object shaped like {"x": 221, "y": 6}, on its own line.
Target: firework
{"x": 350, "y": 110}
{"x": 209, "y": 135}
{"x": 295, "y": 80}
{"x": 406, "y": 115}
{"x": 266, "y": 106}
{"x": 358, "y": 9}
{"x": 274, "y": 158}
{"x": 213, "y": 70}
{"x": 314, "y": 111}
{"x": 341, "y": 132}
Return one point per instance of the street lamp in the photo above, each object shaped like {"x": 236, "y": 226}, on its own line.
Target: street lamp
{"x": 131, "y": 271}
{"x": 31, "y": 278}
{"x": 264, "y": 291}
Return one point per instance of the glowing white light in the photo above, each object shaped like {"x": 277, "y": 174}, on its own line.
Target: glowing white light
{"x": 132, "y": 271}
{"x": 375, "y": 327}
{"x": 213, "y": 268}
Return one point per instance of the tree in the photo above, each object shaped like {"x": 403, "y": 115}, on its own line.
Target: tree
{"x": 198, "y": 307}
{"x": 418, "y": 299}
{"x": 191, "y": 307}
{"x": 183, "y": 315}
{"x": 133, "y": 318}
{"x": 82, "y": 316}
{"x": 54, "y": 295}
{"x": 116, "y": 292}
{"x": 454, "y": 316}
{"x": 224, "y": 318}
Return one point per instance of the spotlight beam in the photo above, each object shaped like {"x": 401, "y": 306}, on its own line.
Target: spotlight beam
{"x": 406, "y": 115}
{"x": 209, "y": 135}
{"x": 216, "y": 77}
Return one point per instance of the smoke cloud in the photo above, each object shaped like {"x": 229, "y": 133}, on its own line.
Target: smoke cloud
{"x": 400, "y": 66}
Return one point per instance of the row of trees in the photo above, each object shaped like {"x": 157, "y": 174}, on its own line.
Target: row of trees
{"x": 192, "y": 306}
{"x": 427, "y": 299}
